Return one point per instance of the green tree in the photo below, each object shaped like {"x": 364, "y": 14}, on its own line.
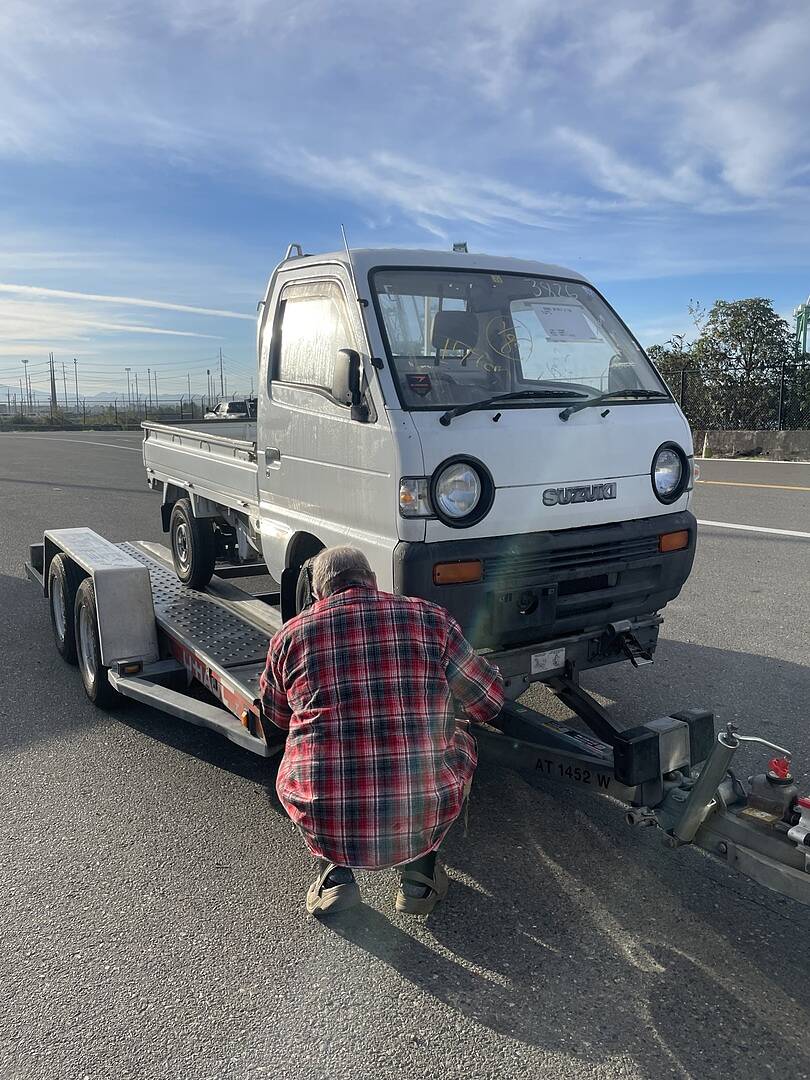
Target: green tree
{"x": 741, "y": 352}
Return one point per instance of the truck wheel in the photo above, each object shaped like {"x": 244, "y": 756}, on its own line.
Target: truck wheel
{"x": 64, "y": 579}
{"x": 193, "y": 548}
{"x": 304, "y": 597}
{"x": 88, "y": 647}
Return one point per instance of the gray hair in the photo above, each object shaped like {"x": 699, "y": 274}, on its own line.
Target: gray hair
{"x": 338, "y": 567}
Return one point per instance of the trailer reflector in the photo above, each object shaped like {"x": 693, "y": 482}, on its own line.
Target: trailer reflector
{"x": 129, "y": 667}
{"x": 674, "y": 541}
{"x": 458, "y": 573}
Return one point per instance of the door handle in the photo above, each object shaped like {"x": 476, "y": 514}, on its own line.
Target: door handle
{"x": 272, "y": 459}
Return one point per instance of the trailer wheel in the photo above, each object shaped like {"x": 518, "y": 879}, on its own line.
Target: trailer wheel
{"x": 88, "y": 647}
{"x": 193, "y": 547}
{"x": 64, "y": 579}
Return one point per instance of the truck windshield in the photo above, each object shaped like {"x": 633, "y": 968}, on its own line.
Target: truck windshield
{"x": 458, "y": 337}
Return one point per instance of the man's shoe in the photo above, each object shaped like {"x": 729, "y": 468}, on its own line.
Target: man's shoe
{"x": 333, "y": 890}
{"x": 419, "y": 894}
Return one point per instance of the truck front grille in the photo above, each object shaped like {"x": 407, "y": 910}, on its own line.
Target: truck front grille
{"x": 523, "y": 568}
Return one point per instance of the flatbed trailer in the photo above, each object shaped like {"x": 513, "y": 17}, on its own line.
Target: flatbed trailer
{"x": 119, "y": 611}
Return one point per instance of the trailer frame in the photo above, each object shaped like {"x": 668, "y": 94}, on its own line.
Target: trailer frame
{"x": 198, "y": 655}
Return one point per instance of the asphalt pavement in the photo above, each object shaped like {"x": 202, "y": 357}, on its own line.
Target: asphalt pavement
{"x": 151, "y": 889}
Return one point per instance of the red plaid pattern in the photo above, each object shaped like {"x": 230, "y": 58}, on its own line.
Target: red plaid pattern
{"x": 369, "y": 686}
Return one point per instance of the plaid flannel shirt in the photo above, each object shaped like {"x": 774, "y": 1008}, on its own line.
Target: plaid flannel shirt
{"x": 369, "y": 687}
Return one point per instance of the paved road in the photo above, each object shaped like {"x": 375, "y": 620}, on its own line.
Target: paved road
{"x": 151, "y": 915}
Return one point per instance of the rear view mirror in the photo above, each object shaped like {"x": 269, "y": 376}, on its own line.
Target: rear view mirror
{"x": 346, "y": 382}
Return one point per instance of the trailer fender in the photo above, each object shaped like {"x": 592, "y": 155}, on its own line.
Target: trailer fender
{"x": 126, "y": 615}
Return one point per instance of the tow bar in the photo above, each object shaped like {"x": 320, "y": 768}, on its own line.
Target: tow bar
{"x": 674, "y": 773}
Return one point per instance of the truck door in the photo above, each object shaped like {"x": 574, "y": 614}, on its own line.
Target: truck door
{"x": 320, "y": 472}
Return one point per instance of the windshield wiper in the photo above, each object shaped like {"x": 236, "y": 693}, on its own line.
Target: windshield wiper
{"x": 514, "y": 395}
{"x": 613, "y": 396}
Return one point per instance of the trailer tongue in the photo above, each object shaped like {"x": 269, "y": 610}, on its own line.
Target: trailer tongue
{"x": 199, "y": 654}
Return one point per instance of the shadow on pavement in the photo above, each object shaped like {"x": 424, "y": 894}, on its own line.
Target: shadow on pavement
{"x": 561, "y": 933}
{"x": 563, "y": 929}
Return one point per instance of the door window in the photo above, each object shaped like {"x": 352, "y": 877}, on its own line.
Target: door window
{"x": 314, "y": 326}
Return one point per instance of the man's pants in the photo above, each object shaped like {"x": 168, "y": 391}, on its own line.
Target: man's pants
{"x": 425, "y": 864}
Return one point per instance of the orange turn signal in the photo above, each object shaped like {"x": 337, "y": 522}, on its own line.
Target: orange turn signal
{"x": 458, "y": 573}
{"x": 674, "y": 541}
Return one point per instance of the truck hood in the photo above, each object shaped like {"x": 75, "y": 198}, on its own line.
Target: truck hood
{"x": 528, "y": 450}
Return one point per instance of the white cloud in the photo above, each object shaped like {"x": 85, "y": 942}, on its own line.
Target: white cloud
{"x": 127, "y": 301}
{"x": 671, "y": 106}
{"x": 34, "y": 325}
{"x": 629, "y": 140}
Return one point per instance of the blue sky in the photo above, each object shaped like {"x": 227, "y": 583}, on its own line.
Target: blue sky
{"x": 168, "y": 151}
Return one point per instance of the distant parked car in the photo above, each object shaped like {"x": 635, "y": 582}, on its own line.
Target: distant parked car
{"x": 243, "y": 409}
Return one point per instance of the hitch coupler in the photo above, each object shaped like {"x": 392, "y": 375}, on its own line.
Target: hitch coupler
{"x": 702, "y": 796}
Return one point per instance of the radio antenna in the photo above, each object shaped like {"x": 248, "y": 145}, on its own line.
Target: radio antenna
{"x": 351, "y": 264}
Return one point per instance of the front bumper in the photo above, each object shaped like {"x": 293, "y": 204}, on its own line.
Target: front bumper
{"x": 540, "y": 587}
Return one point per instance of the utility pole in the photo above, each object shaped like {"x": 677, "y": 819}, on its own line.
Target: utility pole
{"x": 129, "y": 391}
{"x": 221, "y": 382}
{"x": 149, "y": 382}
{"x": 76, "y": 380}
{"x": 27, "y": 391}
{"x": 137, "y": 394}
{"x": 157, "y": 400}
{"x": 64, "y": 383}
{"x": 22, "y": 399}
{"x": 208, "y": 373}
{"x": 188, "y": 377}
{"x": 54, "y": 405}
{"x": 251, "y": 386}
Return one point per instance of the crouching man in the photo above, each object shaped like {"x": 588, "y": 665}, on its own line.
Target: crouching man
{"x": 374, "y": 691}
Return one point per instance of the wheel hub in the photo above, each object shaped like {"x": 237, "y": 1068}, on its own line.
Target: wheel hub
{"x": 59, "y": 608}
{"x": 181, "y": 544}
{"x": 87, "y": 647}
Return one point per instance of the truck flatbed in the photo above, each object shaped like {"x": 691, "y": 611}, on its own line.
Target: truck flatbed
{"x": 211, "y": 459}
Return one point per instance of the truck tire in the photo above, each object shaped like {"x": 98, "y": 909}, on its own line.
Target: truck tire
{"x": 303, "y": 588}
{"x": 193, "y": 547}
{"x": 88, "y": 647}
{"x": 64, "y": 579}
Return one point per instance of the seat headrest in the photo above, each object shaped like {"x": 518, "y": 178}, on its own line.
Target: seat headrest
{"x": 454, "y": 328}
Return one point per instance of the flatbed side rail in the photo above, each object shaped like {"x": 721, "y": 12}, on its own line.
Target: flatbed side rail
{"x": 212, "y": 437}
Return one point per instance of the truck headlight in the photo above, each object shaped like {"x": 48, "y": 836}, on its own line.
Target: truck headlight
{"x": 670, "y": 472}
{"x": 461, "y": 492}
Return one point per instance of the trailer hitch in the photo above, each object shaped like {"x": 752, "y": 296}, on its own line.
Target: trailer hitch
{"x": 702, "y": 797}
{"x": 759, "y": 827}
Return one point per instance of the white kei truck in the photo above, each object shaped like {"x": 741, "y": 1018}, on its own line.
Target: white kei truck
{"x": 492, "y": 436}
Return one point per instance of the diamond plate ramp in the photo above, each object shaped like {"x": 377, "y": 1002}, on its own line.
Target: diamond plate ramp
{"x": 200, "y": 621}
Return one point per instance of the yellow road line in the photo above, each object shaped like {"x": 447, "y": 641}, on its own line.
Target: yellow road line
{"x": 739, "y": 483}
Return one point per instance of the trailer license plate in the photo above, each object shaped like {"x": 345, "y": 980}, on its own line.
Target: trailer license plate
{"x": 547, "y": 661}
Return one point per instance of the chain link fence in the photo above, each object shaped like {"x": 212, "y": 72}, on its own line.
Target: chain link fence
{"x": 737, "y": 402}
{"x": 113, "y": 412}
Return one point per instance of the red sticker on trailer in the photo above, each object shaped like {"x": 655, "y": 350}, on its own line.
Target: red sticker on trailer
{"x": 420, "y": 384}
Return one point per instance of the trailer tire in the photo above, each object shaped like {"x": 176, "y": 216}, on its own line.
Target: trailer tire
{"x": 64, "y": 578}
{"x": 88, "y": 647}
{"x": 193, "y": 546}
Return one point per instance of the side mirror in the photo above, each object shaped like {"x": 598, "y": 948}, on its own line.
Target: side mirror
{"x": 346, "y": 382}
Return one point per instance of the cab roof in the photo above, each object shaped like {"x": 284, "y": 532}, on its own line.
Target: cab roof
{"x": 365, "y": 259}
